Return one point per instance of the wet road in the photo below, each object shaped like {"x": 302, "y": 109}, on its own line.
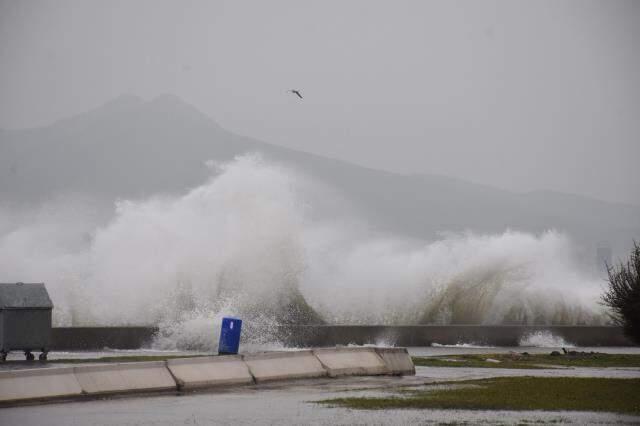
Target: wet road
{"x": 465, "y": 373}
{"x": 271, "y": 407}
{"x": 292, "y": 403}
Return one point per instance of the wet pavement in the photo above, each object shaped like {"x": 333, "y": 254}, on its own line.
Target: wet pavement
{"x": 16, "y": 361}
{"x": 288, "y": 403}
{"x": 291, "y": 403}
{"x": 467, "y": 373}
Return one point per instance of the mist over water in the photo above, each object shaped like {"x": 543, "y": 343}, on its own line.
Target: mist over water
{"x": 267, "y": 244}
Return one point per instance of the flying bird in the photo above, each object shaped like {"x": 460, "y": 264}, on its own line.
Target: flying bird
{"x": 295, "y": 92}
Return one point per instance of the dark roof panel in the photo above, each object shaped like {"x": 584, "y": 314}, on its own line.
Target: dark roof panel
{"x": 24, "y": 296}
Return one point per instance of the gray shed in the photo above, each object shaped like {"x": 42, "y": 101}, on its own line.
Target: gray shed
{"x": 25, "y": 319}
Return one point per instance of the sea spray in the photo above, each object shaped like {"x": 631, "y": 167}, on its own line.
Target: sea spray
{"x": 251, "y": 242}
{"x": 544, "y": 339}
{"x": 513, "y": 277}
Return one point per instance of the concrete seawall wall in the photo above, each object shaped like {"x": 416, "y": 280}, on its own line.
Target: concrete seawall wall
{"x": 425, "y": 335}
{"x": 91, "y": 338}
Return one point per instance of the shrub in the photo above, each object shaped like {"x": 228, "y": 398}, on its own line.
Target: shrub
{"x": 623, "y": 294}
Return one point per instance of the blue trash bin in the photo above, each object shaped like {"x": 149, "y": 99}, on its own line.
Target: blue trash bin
{"x": 229, "y": 336}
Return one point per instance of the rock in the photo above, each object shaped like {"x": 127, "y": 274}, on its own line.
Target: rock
{"x": 555, "y": 353}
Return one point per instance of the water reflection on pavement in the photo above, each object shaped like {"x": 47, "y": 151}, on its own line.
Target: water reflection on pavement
{"x": 292, "y": 403}
{"x": 467, "y": 373}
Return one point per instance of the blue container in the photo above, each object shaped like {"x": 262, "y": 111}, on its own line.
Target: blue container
{"x": 229, "y": 336}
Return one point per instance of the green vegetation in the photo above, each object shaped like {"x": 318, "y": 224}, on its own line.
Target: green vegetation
{"x": 531, "y": 361}
{"x": 513, "y": 393}
{"x": 623, "y": 294}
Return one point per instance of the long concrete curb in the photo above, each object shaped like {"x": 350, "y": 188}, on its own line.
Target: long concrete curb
{"x": 189, "y": 373}
{"x": 284, "y": 365}
{"x": 397, "y": 360}
{"x": 124, "y": 377}
{"x": 351, "y": 361}
{"x": 43, "y": 383}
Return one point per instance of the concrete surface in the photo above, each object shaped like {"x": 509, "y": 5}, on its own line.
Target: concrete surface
{"x": 468, "y": 373}
{"x": 87, "y": 338}
{"x": 191, "y": 373}
{"x": 397, "y": 360}
{"x": 284, "y": 365}
{"x": 38, "y": 384}
{"x": 96, "y": 379}
{"x": 351, "y": 361}
{"x": 124, "y": 377}
{"x": 285, "y": 403}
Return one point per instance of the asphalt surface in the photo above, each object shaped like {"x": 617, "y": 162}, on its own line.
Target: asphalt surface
{"x": 292, "y": 403}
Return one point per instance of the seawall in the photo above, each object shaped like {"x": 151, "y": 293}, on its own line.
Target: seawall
{"x": 92, "y": 338}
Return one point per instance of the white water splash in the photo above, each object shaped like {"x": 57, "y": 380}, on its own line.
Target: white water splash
{"x": 461, "y": 345}
{"x": 544, "y": 339}
{"x": 249, "y": 242}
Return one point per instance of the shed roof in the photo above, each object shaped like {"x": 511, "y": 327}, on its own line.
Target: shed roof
{"x": 24, "y": 296}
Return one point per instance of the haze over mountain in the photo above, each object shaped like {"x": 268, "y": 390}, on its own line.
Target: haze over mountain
{"x": 130, "y": 148}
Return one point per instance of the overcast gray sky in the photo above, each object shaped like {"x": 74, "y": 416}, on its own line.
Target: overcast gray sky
{"x": 521, "y": 95}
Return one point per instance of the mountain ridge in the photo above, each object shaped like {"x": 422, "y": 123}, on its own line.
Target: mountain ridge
{"x": 133, "y": 148}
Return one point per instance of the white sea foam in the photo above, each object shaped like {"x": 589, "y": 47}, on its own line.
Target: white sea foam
{"x": 250, "y": 242}
{"x": 461, "y": 345}
{"x": 544, "y": 339}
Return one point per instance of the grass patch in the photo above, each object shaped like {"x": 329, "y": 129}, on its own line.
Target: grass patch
{"x": 531, "y": 361}
{"x": 515, "y": 393}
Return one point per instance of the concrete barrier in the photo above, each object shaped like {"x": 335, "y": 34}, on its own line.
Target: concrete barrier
{"x": 84, "y": 338}
{"x": 124, "y": 377}
{"x": 351, "y": 361}
{"x": 42, "y": 383}
{"x": 87, "y": 338}
{"x": 284, "y": 365}
{"x": 397, "y": 360}
{"x": 191, "y": 373}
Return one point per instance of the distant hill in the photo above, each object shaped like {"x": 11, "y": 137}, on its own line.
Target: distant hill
{"x": 132, "y": 148}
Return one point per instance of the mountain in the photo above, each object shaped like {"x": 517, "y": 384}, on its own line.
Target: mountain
{"x": 132, "y": 148}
